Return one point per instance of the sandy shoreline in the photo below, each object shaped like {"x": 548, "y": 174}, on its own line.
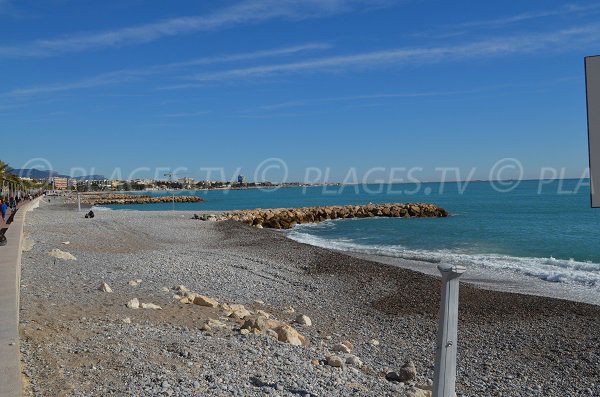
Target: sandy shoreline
{"x": 75, "y": 343}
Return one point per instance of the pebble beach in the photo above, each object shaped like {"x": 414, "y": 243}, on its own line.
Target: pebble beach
{"x": 80, "y": 340}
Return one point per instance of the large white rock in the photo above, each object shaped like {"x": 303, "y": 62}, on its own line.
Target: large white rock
{"x": 151, "y": 306}
{"x": 133, "y": 304}
{"x": 28, "y": 244}
{"x": 239, "y": 311}
{"x": 105, "y": 288}
{"x": 56, "y": 253}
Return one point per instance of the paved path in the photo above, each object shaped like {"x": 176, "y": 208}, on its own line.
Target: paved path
{"x": 10, "y": 275}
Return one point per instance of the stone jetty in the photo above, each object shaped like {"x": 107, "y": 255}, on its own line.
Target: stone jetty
{"x": 104, "y": 199}
{"x": 286, "y": 218}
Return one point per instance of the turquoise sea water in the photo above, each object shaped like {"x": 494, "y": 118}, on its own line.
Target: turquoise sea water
{"x": 540, "y": 229}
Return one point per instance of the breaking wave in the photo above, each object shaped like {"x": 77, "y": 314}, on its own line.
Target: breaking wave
{"x": 548, "y": 269}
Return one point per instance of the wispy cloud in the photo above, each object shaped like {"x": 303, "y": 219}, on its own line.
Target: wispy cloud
{"x": 247, "y": 12}
{"x": 500, "y": 46}
{"x": 316, "y": 101}
{"x": 128, "y": 75}
{"x": 247, "y": 55}
{"x": 100, "y": 80}
{"x": 528, "y": 16}
{"x": 521, "y": 44}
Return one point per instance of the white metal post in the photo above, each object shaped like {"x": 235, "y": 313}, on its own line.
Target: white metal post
{"x": 444, "y": 380}
{"x": 78, "y": 202}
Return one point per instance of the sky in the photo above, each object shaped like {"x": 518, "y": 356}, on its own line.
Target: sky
{"x": 313, "y": 90}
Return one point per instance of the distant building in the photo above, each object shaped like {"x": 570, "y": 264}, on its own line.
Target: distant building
{"x": 241, "y": 178}
{"x": 60, "y": 183}
{"x": 187, "y": 183}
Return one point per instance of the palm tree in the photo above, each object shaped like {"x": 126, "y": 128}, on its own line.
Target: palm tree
{"x": 3, "y": 170}
{"x": 6, "y": 178}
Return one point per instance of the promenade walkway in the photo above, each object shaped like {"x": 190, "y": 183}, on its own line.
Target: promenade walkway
{"x": 10, "y": 275}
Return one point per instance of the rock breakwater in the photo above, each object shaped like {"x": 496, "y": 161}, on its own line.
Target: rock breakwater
{"x": 107, "y": 199}
{"x": 286, "y": 218}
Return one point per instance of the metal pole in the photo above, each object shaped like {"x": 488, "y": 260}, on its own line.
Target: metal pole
{"x": 444, "y": 380}
{"x": 78, "y": 202}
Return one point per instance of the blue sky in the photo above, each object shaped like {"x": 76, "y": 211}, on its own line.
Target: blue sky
{"x": 340, "y": 85}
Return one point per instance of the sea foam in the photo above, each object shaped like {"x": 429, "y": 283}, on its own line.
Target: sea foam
{"x": 547, "y": 269}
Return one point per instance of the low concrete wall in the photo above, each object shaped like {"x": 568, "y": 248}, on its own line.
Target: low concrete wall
{"x": 10, "y": 282}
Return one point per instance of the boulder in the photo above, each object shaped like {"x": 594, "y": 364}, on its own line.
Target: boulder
{"x": 407, "y": 373}
{"x": 335, "y": 361}
{"x": 304, "y": 320}
{"x": 342, "y": 348}
{"x": 273, "y": 324}
{"x": 272, "y": 334}
{"x": 191, "y": 295}
{"x": 239, "y": 312}
{"x": 105, "y": 288}
{"x": 354, "y": 361}
{"x": 287, "y": 334}
{"x": 256, "y": 323}
{"x": 202, "y": 300}
{"x": 263, "y": 313}
{"x": 133, "y": 304}
{"x": 56, "y": 253}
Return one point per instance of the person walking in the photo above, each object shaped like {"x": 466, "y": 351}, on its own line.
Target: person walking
{"x": 3, "y": 208}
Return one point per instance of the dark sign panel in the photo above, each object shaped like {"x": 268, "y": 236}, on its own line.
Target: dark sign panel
{"x": 592, "y": 84}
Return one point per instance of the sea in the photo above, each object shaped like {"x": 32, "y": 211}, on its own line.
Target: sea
{"x": 534, "y": 236}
